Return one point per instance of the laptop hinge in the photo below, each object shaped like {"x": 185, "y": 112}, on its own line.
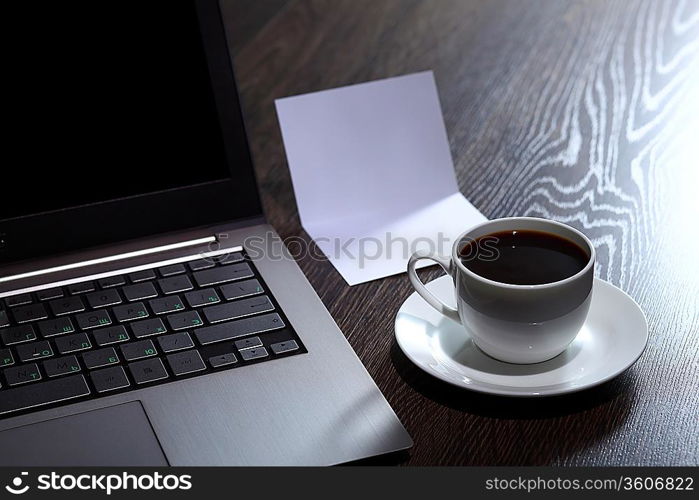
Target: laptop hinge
{"x": 110, "y": 258}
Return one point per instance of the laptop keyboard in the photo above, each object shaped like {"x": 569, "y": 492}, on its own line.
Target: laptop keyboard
{"x": 125, "y": 332}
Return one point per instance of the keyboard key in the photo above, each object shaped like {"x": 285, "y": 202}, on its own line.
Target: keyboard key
{"x": 255, "y": 353}
{"x": 93, "y": 319}
{"x": 175, "y": 342}
{"x": 73, "y": 343}
{"x": 50, "y": 293}
{"x": 4, "y": 319}
{"x": 32, "y": 312}
{"x": 240, "y": 328}
{"x": 175, "y": 284}
{"x": 230, "y": 258}
{"x": 100, "y": 358}
{"x": 111, "y": 335}
{"x": 18, "y": 300}
{"x": 248, "y": 343}
{"x": 197, "y": 265}
{"x": 148, "y": 370}
{"x": 223, "y": 274}
{"x": 223, "y": 360}
{"x": 17, "y": 334}
{"x": 148, "y": 327}
{"x": 112, "y": 281}
{"x": 67, "y": 305}
{"x": 130, "y": 312}
{"x": 166, "y": 271}
{"x": 57, "y": 326}
{"x": 34, "y": 350}
{"x": 84, "y": 287}
{"x": 138, "y": 350}
{"x": 6, "y": 358}
{"x": 18, "y": 375}
{"x": 171, "y": 303}
{"x": 51, "y": 391}
{"x": 61, "y": 366}
{"x": 139, "y": 291}
{"x": 109, "y": 379}
{"x": 284, "y": 347}
{"x": 184, "y": 363}
{"x": 241, "y": 289}
{"x": 238, "y": 309}
{"x": 184, "y": 320}
{"x": 145, "y": 275}
{"x": 200, "y": 298}
{"x": 103, "y": 298}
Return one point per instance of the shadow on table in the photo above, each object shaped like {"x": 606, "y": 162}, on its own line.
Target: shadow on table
{"x": 493, "y": 406}
{"x": 389, "y": 459}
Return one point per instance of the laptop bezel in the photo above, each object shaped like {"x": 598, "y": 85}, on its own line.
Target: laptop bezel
{"x": 186, "y": 208}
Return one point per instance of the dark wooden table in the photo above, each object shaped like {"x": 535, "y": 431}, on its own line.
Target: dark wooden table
{"x": 586, "y": 112}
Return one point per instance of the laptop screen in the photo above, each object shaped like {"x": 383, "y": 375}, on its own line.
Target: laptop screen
{"x": 107, "y": 101}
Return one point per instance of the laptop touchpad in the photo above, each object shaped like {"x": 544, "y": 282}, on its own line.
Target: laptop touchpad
{"x": 114, "y": 436}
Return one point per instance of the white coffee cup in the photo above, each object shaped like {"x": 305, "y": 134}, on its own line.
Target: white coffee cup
{"x": 509, "y": 322}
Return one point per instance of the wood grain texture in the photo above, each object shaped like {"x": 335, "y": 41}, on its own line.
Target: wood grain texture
{"x": 586, "y": 112}
{"x": 245, "y": 18}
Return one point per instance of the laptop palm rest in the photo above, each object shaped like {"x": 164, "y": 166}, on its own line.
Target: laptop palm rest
{"x": 114, "y": 436}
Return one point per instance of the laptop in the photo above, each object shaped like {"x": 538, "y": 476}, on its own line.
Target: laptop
{"x": 149, "y": 315}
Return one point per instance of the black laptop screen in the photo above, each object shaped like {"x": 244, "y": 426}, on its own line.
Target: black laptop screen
{"x": 107, "y": 100}
{"x": 110, "y": 118}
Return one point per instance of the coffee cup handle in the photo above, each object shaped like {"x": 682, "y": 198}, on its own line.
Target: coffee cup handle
{"x": 422, "y": 290}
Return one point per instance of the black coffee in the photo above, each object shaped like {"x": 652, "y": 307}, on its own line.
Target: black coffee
{"x": 523, "y": 257}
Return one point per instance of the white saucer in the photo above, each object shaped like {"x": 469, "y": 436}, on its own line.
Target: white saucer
{"x": 612, "y": 339}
